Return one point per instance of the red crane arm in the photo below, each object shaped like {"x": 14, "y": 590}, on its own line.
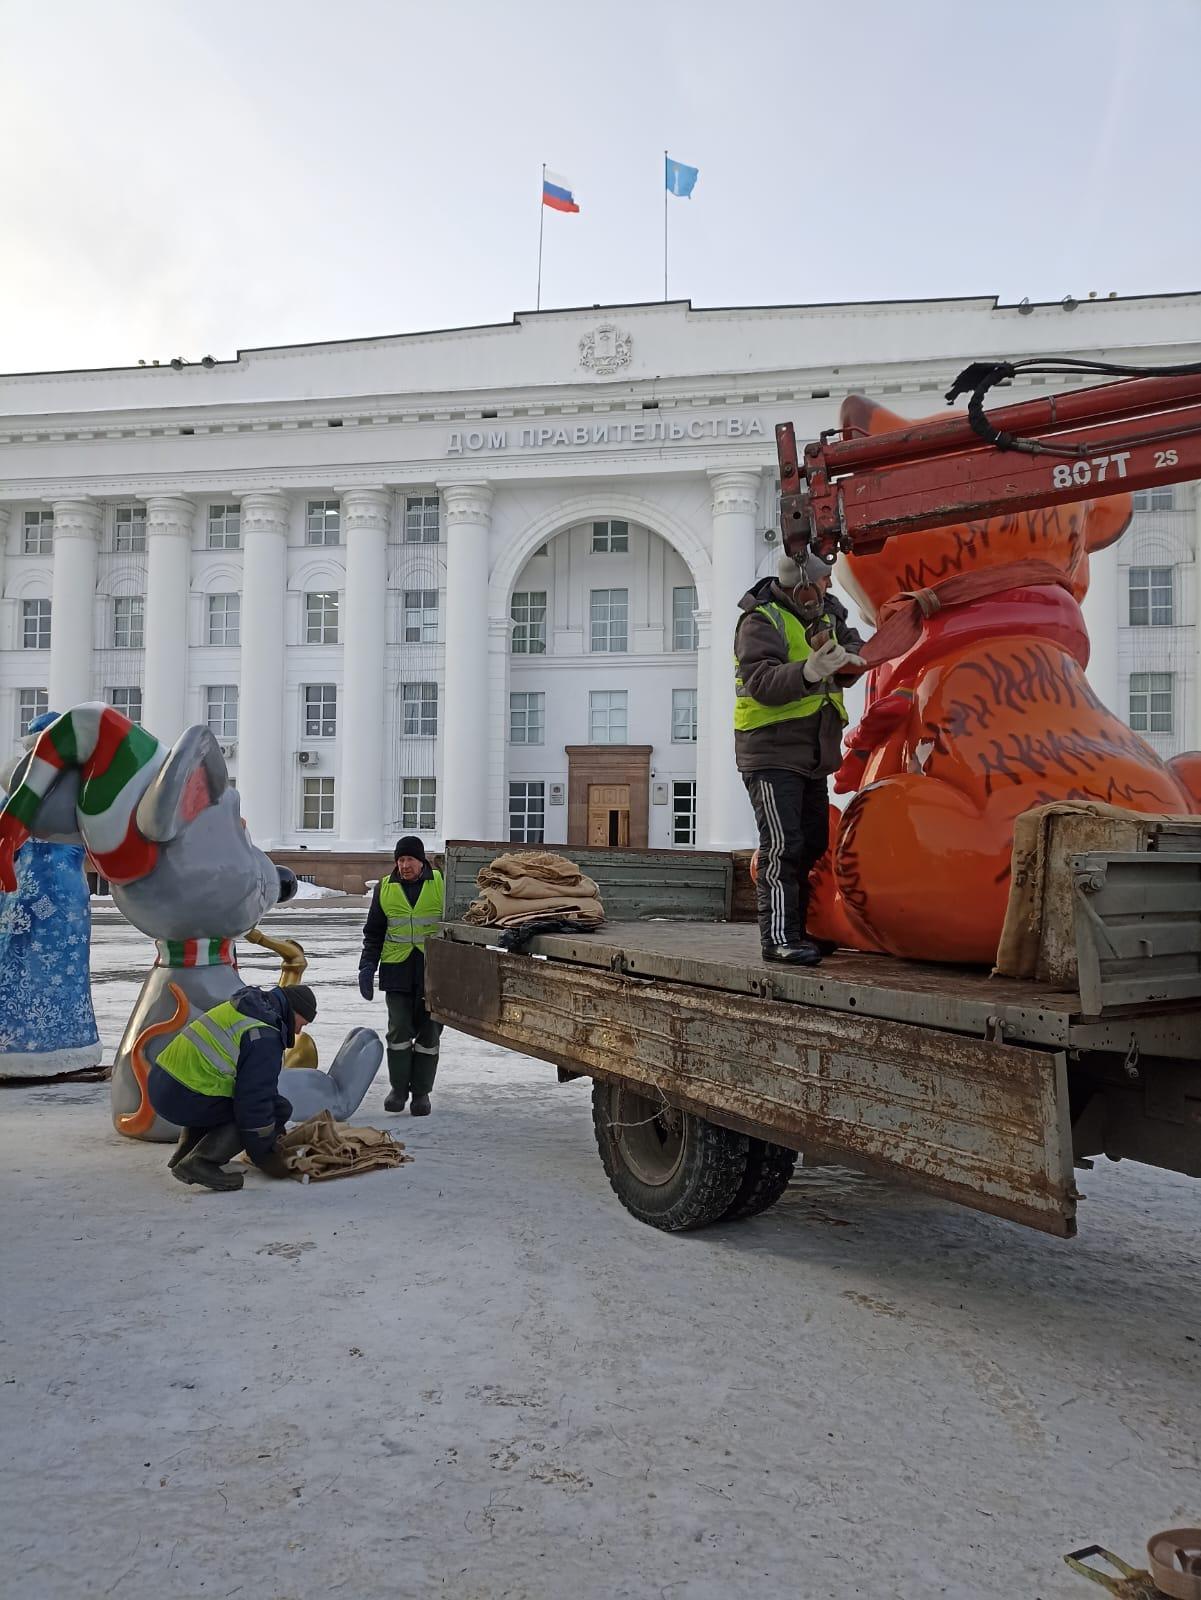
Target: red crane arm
{"x": 854, "y": 493}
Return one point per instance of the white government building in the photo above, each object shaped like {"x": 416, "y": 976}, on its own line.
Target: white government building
{"x": 482, "y": 582}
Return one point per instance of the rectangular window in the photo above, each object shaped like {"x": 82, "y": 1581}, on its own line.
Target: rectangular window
{"x": 1161, "y": 498}
{"x": 527, "y": 813}
{"x": 31, "y": 704}
{"x": 420, "y": 710}
{"x": 421, "y": 519}
{"x": 321, "y": 617}
{"x": 683, "y": 812}
{"x": 608, "y": 716}
{"x": 128, "y": 701}
{"x": 225, "y": 527}
{"x": 129, "y": 612}
{"x": 421, "y": 616}
{"x": 320, "y": 710}
{"x": 129, "y": 529}
{"x": 683, "y": 622}
{"x": 221, "y": 709}
{"x": 1152, "y": 702}
{"x": 1151, "y": 597}
{"x": 35, "y": 624}
{"x": 39, "y": 533}
{"x": 683, "y": 716}
{"x": 317, "y": 803}
{"x": 527, "y": 718}
{"x": 323, "y": 522}
{"x": 418, "y": 804}
{"x": 610, "y": 620}
{"x": 611, "y": 538}
{"x": 224, "y": 618}
{"x": 528, "y": 612}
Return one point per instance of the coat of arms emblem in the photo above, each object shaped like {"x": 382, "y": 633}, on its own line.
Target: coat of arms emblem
{"x": 605, "y": 350}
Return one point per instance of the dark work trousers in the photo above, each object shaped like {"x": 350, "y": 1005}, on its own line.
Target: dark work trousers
{"x": 793, "y": 814}
{"x": 412, "y": 1044}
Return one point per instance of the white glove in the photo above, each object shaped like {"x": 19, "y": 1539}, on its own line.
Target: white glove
{"x": 827, "y": 662}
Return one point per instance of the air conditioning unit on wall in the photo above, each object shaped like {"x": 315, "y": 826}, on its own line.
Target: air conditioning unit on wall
{"x": 306, "y": 758}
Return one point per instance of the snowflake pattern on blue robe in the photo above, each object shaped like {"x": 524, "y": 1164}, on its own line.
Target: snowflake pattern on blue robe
{"x": 47, "y": 1024}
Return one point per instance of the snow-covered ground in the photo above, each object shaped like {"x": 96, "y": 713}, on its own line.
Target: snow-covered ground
{"x": 477, "y": 1377}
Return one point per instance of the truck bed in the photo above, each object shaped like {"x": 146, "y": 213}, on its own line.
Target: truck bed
{"x": 725, "y": 956}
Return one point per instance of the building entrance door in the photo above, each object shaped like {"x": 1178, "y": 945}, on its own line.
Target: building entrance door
{"x": 608, "y": 814}
{"x": 608, "y": 795}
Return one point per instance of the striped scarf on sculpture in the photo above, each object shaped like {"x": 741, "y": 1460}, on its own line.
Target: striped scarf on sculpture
{"x": 116, "y": 761}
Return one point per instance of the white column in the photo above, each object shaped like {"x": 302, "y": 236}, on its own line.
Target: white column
{"x": 168, "y": 575}
{"x": 261, "y": 732}
{"x": 704, "y": 675}
{"x": 5, "y": 518}
{"x": 500, "y": 634}
{"x": 735, "y": 506}
{"x": 73, "y": 602}
{"x": 1100, "y": 610}
{"x": 1195, "y": 742}
{"x": 465, "y": 712}
{"x": 365, "y": 514}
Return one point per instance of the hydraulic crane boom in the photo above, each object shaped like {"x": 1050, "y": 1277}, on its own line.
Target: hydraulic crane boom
{"x": 853, "y": 493}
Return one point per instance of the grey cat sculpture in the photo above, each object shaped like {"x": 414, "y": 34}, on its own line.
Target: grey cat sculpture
{"x": 164, "y": 826}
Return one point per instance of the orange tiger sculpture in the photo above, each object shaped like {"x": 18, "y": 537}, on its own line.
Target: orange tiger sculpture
{"x": 988, "y": 714}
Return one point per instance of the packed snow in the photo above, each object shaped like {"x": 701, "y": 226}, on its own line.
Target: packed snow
{"x": 476, "y": 1376}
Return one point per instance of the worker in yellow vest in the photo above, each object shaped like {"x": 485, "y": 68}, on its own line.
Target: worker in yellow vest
{"x": 218, "y": 1080}
{"x": 405, "y": 909}
{"x": 793, "y": 650}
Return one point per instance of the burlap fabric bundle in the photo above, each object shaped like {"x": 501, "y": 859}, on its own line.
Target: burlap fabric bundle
{"x": 322, "y": 1148}
{"x": 526, "y": 884}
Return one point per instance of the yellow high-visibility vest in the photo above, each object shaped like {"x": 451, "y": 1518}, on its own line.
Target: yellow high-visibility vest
{"x": 204, "y": 1055}
{"x": 409, "y": 925}
{"x": 751, "y": 713}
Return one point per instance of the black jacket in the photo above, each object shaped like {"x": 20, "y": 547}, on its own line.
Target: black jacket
{"x": 260, "y": 1061}
{"x": 259, "y": 1110}
{"x": 810, "y": 746}
{"x": 395, "y": 977}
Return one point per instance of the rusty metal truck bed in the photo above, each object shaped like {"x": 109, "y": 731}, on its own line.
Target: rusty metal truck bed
{"x": 985, "y": 1090}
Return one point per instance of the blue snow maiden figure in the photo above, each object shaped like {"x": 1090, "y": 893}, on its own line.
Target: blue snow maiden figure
{"x": 47, "y": 1025}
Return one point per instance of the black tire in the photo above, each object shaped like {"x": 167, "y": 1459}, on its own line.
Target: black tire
{"x": 769, "y": 1169}
{"x": 668, "y": 1168}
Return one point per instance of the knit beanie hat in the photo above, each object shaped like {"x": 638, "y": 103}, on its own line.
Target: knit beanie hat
{"x": 116, "y": 761}
{"x": 794, "y": 574}
{"x": 410, "y": 845}
{"x": 302, "y": 1000}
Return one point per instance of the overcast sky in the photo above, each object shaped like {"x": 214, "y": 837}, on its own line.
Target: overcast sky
{"x": 182, "y": 177}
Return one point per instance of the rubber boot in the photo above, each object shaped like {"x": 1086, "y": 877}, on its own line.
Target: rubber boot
{"x": 395, "y": 1100}
{"x": 420, "y": 1106}
{"x": 203, "y": 1163}
{"x": 189, "y": 1138}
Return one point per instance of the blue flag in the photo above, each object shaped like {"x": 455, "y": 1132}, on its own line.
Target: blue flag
{"x": 681, "y": 180}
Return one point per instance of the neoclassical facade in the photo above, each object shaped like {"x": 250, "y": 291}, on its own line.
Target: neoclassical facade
{"x": 482, "y": 583}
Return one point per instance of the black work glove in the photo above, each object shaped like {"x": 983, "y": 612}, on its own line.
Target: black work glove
{"x": 366, "y": 984}
{"x": 274, "y": 1165}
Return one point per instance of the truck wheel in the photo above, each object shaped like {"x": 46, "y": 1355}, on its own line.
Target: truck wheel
{"x": 769, "y": 1169}
{"x": 667, "y": 1167}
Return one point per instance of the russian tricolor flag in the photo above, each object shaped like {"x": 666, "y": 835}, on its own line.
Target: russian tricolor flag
{"x": 556, "y": 192}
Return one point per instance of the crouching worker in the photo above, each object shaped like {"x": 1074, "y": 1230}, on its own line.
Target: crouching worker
{"x": 218, "y": 1080}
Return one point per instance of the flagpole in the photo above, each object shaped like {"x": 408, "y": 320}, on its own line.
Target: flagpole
{"x": 541, "y": 225}
{"x": 665, "y": 227}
